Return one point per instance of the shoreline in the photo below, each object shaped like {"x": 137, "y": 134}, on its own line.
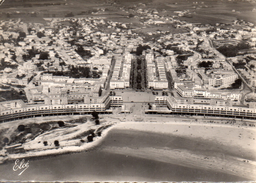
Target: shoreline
{"x": 130, "y": 125}
{"x": 195, "y": 145}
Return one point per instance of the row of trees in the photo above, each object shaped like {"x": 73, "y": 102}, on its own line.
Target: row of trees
{"x": 205, "y": 64}
{"x": 95, "y": 116}
{"x": 112, "y": 93}
{"x": 138, "y": 73}
{"x": 239, "y": 65}
{"x": 74, "y": 72}
{"x": 77, "y": 72}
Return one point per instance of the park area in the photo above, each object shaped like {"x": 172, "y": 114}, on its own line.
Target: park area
{"x": 46, "y": 136}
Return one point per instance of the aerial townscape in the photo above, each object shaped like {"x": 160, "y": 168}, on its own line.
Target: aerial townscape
{"x": 67, "y": 79}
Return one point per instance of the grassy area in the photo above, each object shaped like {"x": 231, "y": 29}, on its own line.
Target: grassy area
{"x": 22, "y": 132}
{"x": 209, "y": 12}
{"x": 11, "y": 95}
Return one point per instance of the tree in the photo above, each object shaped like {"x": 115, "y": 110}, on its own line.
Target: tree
{"x": 6, "y": 140}
{"x": 92, "y": 133}
{"x": 21, "y": 128}
{"x": 83, "y": 53}
{"x": 150, "y": 107}
{"x": 139, "y": 61}
{"x": 14, "y": 57}
{"x": 95, "y": 115}
{"x": 22, "y": 34}
{"x": 29, "y": 30}
{"x": 139, "y": 86}
{"x": 50, "y": 44}
{"x": 141, "y": 48}
{"x": 56, "y": 143}
{"x": 205, "y": 64}
{"x": 138, "y": 78}
{"x": 95, "y": 74}
{"x": 20, "y": 77}
{"x": 97, "y": 122}
{"x": 232, "y": 50}
{"x": 236, "y": 84}
{"x": 90, "y": 138}
{"x": 228, "y": 51}
{"x": 239, "y": 65}
{"x": 24, "y": 57}
{"x": 40, "y": 34}
{"x": 44, "y": 56}
{"x": 100, "y": 91}
{"x": 31, "y": 53}
{"x": 61, "y": 123}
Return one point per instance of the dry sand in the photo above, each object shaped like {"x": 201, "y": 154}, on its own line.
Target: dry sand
{"x": 236, "y": 153}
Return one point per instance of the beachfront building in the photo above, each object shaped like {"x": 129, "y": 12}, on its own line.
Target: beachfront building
{"x": 17, "y": 109}
{"x": 175, "y": 107}
{"x": 12, "y": 104}
{"x": 63, "y": 90}
{"x": 185, "y": 90}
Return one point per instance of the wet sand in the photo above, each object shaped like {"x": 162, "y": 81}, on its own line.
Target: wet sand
{"x": 153, "y": 152}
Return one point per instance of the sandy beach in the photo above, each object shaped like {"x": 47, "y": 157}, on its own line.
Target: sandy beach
{"x": 223, "y": 148}
{"x": 214, "y": 152}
